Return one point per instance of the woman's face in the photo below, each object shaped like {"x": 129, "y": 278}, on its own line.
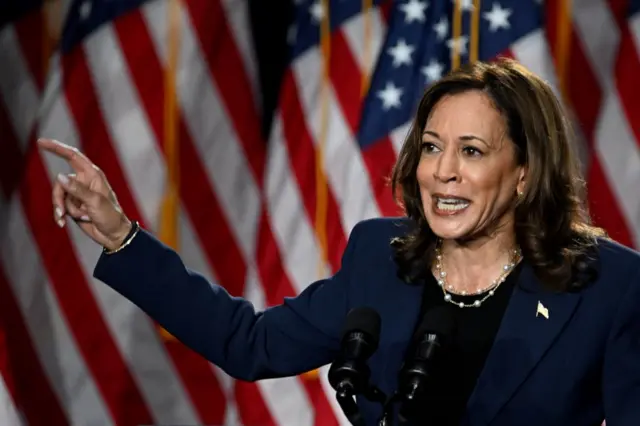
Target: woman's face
{"x": 467, "y": 174}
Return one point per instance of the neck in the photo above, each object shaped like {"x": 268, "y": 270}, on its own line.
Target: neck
{"x": 472, "y": 265}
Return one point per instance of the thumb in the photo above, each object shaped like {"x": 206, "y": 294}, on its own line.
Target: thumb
{"x": 79, "y": 190}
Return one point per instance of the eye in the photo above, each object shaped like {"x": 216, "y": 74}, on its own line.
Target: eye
{"x": 472, "y": 151}
{"x": 428, "y": 147}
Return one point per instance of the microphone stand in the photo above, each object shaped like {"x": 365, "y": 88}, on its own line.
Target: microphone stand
{"x": 345, "y": 397}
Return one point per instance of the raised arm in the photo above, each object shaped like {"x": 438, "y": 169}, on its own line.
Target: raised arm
{"x": 299, "y": 335}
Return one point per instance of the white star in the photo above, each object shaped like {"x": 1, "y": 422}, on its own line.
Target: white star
{"x": 441, "y": 28}
{"x": 85, "y": 10}
{"x": 401, "y": 53}
{"x": 414, "y": 11}
{"x": 317, "y": 11}
{"x": 390, "y": 96}
{"x": 465, "y": 5}
{"x": 460, "y": 42}
{"x": 433, "y": 71}
{"x": 497, "y": 17}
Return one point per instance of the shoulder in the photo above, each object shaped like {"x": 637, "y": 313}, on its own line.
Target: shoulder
{"x": 370, "y": 239}
{"x": 613, "y": 255}
{"x": 380, "y": 230}
{"x": 617, "y": 266}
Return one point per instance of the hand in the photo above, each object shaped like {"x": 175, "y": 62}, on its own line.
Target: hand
{"x": 87, "y": 198}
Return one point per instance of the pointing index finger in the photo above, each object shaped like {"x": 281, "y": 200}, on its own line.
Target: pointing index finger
{"x": 74, "y": 157}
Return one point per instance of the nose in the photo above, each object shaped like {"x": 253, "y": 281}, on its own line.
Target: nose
{"x": 447, "y": 167}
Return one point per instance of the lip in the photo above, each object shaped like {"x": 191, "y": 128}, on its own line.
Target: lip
{"x": 446, "y": 213}
{"x": 440, "y": 195}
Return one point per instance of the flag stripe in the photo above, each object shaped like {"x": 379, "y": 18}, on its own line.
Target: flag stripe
{"x": 22, "y": 364}
{"x": 196, "y": 375}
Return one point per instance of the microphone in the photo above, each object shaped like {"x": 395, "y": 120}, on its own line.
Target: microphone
{"x": 433, "y": 334}
{"x": 349, "y": 374}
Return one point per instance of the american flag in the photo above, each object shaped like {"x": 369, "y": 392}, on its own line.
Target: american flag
{"x": 164, "y": 96}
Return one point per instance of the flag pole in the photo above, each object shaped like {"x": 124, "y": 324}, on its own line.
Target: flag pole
{"x": 171, "y": 199}
{"x": 475, "y": 32}
{"x": 367, "y": 6}
{"x": 456, "y": 32}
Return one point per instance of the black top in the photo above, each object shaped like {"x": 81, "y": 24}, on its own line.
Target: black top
{"x": 457, "y": 372}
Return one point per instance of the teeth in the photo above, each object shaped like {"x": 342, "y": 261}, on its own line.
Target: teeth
{"x": 452, "y": 204}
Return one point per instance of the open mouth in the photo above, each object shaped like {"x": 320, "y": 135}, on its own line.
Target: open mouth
{"x": 451, "y": 204}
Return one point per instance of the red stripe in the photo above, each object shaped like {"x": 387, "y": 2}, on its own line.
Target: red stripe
{"x": 222, "y": 252}
{"x": 346, "y": 78}
{"x": 380, "y": 158}
{"x": 30, "y": 32}
{"x": 144, "y": 67}
{"x": 585, "y": 98}
{"x": 303, "y": 157}
{"x": 95, "y": 142}
{"x": 22, "y": 369}
{"x": 104, "y": 361}
{"x": 627, "y": 72}
{"x": 604, "y": 207}
{"x": 222, "y": 55}
{"x": 11, "y": 159}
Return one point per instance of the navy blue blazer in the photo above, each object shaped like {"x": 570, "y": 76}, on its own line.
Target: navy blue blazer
{"x": 574, "y": 368}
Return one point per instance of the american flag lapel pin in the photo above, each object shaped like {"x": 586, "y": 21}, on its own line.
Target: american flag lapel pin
{"x": 542, "y": 310}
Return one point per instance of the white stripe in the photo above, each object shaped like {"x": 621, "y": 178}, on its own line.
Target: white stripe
{"x": 331, "y": 395}
{"x": 55, "y": 346}
{"x": 132, "y": 331}
{"x": 614, "y": 141}
{"x": 634, "y": 27}
{"x": 620, "y": 159}
{"x": 228, "y": 171}
{"x": 9, "y": 414}
{"x": 17, "y": 88}
{"x": 343, "y": 163}
{"x": 533, "y": 52}
{"x": 365, "y": 50}
{"x": 287, "y": 401}
{"x": 399, "y": 135}
{"x": 51, "y": 337}
{"x": 598, "y": 30}
{"x": 237, "y": 16}
{"x": 191, "y": 254}
{"x": 214, "y": 138}
{"x": 126, "y": 121}
{"x": 292, "y": 230}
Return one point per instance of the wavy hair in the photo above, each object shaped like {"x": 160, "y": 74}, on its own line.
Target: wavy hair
{"x": 552, "y": 223}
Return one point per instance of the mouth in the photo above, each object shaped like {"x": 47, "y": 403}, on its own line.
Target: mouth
{"x": 447, "y": 205}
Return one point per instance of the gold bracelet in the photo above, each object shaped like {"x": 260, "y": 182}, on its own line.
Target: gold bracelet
{"x": 135, "y": 227}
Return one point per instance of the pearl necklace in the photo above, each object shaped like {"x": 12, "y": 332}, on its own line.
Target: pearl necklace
{"x": 447, "y": 289}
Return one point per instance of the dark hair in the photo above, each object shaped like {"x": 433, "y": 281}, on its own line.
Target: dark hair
{"x": 552, "y": 224}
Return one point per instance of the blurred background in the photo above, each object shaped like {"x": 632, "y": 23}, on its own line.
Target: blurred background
{"x": 250, "y": 136}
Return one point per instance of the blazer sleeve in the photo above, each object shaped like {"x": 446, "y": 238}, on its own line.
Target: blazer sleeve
{"x": 299, "y": 335}
{"x": 621, "y": 373}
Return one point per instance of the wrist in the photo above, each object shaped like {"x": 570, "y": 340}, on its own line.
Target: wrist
{"x": 119, "y": 237}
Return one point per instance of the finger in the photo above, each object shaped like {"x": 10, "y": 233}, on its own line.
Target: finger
{"x": 79, "y": 190}
{"x": 58, "y": 196}
{"x": 75, "y": 211}
{"x": 77, "y": 202}
{"x": 76, "y": 159}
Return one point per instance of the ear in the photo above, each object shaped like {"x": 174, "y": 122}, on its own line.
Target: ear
{"x": 522, "y": 179}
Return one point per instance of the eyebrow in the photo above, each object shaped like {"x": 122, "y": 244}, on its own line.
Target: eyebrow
{"x": 462, "y": 138}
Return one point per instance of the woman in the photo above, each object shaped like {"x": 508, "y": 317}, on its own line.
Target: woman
{"x": 547, "y": 309}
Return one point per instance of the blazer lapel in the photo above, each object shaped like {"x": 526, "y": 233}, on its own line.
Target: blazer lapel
{"x": 532, "y": 321}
